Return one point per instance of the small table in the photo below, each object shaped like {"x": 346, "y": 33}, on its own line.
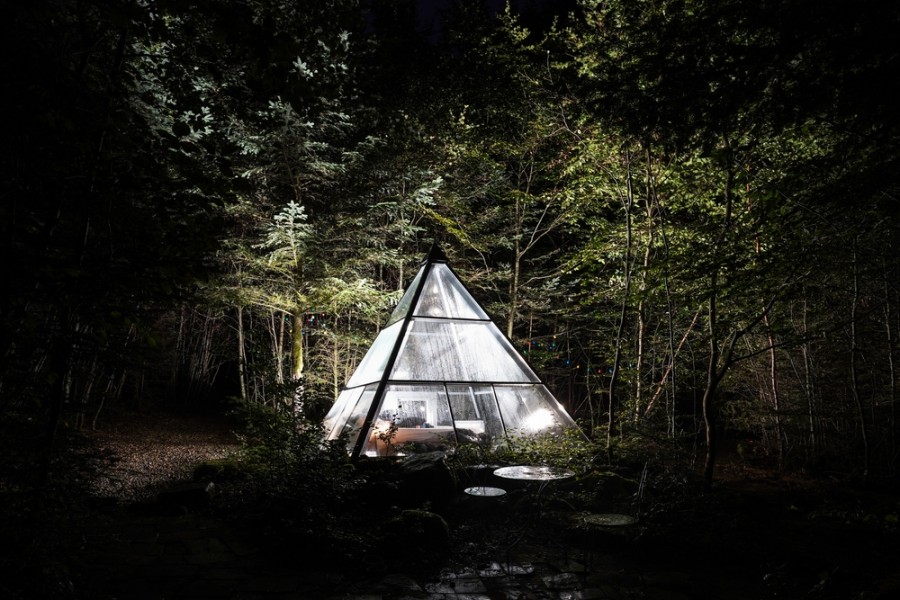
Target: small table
{"x": 483, "y": 491}
{"x": 541, "y": 475}
{"x": 529, "y": 473}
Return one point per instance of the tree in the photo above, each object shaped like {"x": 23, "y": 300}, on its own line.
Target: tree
{"x": 721, "y": 89}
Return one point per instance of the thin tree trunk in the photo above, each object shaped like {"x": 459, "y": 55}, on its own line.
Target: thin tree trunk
{"x": 674, "y": 351}
{"x": 336, "y": 380}
{"x": 892, "y": 374}
{"x": 642, "y": 309}
{"x": 514, "y": 284}
{"x": 276, "y": 333}
{"x": 617, "y": 359}
{"x": 854, "y": 377}
{"x": 639, "y": 358}
{"x": 242, "y": 354}
{"x": 808, "y": 385}
{"x": 713, "y": 375}
{"x": 670, "y": 371}
{"x": 773, "y": 387}
{"x": 712, "y": 383}
{"x": 61, "y": 355}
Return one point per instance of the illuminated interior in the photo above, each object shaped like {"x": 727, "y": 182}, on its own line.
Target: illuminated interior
{"x": 440, "y": 374}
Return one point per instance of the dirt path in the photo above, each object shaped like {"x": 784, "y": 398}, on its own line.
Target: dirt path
{"x": 153, "y": 450}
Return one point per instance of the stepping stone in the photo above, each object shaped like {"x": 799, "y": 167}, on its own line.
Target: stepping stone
{"x": 610, "y": 520}
{"x": 482, "y": 491}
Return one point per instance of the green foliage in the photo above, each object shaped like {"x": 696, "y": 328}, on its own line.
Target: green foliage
{"x": 286, "y": 165}
{"x": 570, "y": 450}
{"x": 286, "y": 457}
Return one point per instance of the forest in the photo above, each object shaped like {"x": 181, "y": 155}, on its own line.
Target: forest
{"x": 683, "y": 213}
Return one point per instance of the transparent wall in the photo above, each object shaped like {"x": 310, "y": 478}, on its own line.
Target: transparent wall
{"x": 444, "y": 296}
{"x": 353, "y": 412}
{"x": 475, "y": 414}
{"x": 402, "y": 309}
{"x": 531, "y": 409}
{"x": 372, "y": 366}
{"x": 337, "y": 415}
{"x": 438, "y": 350}
{"x": 411, "y": 418}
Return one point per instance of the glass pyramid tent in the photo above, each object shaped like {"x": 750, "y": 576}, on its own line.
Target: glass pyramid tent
{"x": 440, "y": 373}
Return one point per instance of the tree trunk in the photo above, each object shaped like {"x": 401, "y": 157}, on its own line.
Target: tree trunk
{"x": 808, "y": 388}
{"x": 514, "y": 284}
{"x": 642, "y": 310}
{"x": 713, "y": 373}
{"x": 60, "y": 357}
{"x": 669, "y": 371}
{"x": 709, "y": 394}
{"x": 854, "y": 377}
{"x": 617, "y": 359}
{"x": 242, "y": 354}
{"x": 773, "y": 388}
{"x": 297, "y": 366}
{"x": 892, "y": 374}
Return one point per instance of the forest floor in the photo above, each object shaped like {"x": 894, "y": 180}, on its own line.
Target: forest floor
{"x": 757, "y": 535}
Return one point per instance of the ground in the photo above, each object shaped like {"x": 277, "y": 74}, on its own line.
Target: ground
{"x": 153, "y": 449}
{"x": 757, "y": 535}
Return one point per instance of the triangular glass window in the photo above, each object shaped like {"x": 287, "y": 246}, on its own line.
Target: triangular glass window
{"x": 371, "y": 368}
{"x": 444, "y": 295}
{"x": 401, "y": 311}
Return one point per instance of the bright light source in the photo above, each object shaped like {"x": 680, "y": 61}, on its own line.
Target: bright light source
{"x": 539, "y": 419}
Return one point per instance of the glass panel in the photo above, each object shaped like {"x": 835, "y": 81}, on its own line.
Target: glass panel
{"x": 357, "y": 416}
{"x": 459, "y": 351}
{"x": 529, "y": 409}
{"x": 402, "y": 309}
{"x": 445, "y": 296}
{"x": 371, "y": 367}
{"x": 475, "y": 414}
{"x": 412, "y": 418}
{"x": 337, "y": 415}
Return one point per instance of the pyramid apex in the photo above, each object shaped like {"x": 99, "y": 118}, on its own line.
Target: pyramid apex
{"x": 436, "y": 254}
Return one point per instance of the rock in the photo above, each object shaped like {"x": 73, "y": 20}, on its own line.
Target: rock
{"x": 427, "y": 479}
{"x": 189, "y": 497}
{"x": 421, "y": 534}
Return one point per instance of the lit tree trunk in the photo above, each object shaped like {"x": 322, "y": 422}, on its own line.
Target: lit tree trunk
{"x": 297, "y": 357}
{"x": 670, "y": 371}
{"x": 277, "y": 328}
{"x": 242, "y": 354}
{"x": 617, "y": 359}
{"x": 670, "y": 367}
{"x": 336, "y": 364}
{"x": 641, "y": 333}
{"x": 516, "y": 274}
{"x": 642, "y": 310}
{"x": 773, "y": 386}
{"x": 712, "y": 383}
